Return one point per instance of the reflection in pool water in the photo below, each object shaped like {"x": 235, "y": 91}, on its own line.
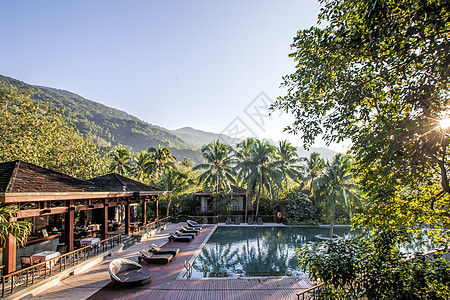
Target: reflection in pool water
{"x": 254, "y": 251}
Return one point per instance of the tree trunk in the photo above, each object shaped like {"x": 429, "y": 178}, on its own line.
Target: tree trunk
{"x": 246, "y": 208}
{"x": 257, "y": 202}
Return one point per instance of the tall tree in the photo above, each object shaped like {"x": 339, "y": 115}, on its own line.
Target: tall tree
{"x": 377, "y": 73}
{"x": 243, "y": 154}
{"x": 120, "y": 161}
{"x": 160, "y": 160}
{"x": 288, "y": 156}
{"x": 336, "y": 185}
{"x": 263, "y": 169}
{"x": 218, "y": 170}
{"x": 313, "y": 168}
{"x": 139, "y": 165}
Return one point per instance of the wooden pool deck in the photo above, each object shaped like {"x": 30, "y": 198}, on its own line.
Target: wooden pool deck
{"x": 95, "y": 283}
{"x": 164, "y": 284}
{"x": 237, "y": 289}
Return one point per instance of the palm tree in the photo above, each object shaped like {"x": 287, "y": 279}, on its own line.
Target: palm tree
{"x": 140, "y": 162}
{"x": 18, "y": 229}
{"x": 243, "y": 154}
{"x": 175, "y": 181}
{"x": 263, "y": 171}
{"x": 336, "y": 186}
{"x": 218, "y": 169}
{"x": 288, "y": 156}
{"x": 120, "y": 161}
{"x": 313, "y": 168}
{"x": 160, "y": 160}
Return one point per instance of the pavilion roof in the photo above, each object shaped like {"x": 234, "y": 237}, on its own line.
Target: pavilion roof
{"x": 22, "y": 177}
{"x": 118, "y": 183}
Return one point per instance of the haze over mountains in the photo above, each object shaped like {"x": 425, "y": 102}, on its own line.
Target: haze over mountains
{"x": 110, "y": 127}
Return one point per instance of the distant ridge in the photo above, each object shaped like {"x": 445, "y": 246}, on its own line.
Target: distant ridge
{"x": 324, "y": 152}
{"x": 199, "y": 138}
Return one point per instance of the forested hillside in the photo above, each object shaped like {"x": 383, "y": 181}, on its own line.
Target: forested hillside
{"x": 106, "y": 126}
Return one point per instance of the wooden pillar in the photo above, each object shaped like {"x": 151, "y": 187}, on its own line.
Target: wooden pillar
{"x": 156, "y": 209}
{"x": 69, "y": 220}
{"x": 144, "y": 212}
{"x": 127, "y": 218}
{"x": 9, "y": 255}
{"x": 104, "y": 220}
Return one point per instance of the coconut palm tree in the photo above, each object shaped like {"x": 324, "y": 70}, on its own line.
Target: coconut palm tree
{"x": 313, "y": 168}
{"x": 218, "y": 170}
{"x": 288, "y": 156}
{"x": 120, "y": 161}
{"x": 336, "y": 185}
{"x": 175, "y": 181}
{"x": 243, "y": 154}
{"x": 263, "y": 169}
{"x": 160, "y": 161}
{"x": 140, "y": 162}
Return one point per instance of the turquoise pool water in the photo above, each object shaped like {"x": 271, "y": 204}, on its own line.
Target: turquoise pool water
{"x": 254, "y": 251}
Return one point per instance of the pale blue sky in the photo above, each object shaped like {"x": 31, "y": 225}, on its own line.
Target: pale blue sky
{"x": 170, "y": 63}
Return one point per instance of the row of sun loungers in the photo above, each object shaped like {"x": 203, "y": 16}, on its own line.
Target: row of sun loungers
{"x": 128, "y": 272}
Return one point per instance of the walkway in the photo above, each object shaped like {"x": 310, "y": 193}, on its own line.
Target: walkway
{"x": 95, "y": 283}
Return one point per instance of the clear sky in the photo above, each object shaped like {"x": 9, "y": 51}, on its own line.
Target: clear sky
{"x": 171, "y": 63}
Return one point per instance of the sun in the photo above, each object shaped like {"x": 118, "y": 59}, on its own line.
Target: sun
{"x": 444, "y": 123}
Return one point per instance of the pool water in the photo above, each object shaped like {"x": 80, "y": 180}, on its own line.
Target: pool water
{"x": 255, "y": 251}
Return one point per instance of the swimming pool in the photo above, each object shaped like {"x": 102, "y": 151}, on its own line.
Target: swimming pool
{"x": 254, "y": 251}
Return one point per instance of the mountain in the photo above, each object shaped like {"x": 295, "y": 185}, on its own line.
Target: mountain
{"x": 197, "y": 137}
{"x": 106, "y": 126}
{"x": 109, "y": 127}
{"x": 324, "y": 152}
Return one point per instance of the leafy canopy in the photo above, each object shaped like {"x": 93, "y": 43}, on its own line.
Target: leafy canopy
{"x": 378, "y": 74}
{"x": 40, "y": 135}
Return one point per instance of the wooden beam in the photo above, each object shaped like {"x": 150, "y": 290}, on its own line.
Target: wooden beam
{"x": 29, "y": 197}
{"x": 127, "y": 218}
{"x": 144, "y": 212}
{"x": 9, "y": 255}
{"x": 41, "y": 212}
{"x": 69, "y": 220}
{"x": 156, "y": 210}
{"x": 104, "y": 218}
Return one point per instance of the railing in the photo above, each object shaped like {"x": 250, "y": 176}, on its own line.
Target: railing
{"x": 28, "y": 276}
{"x": 150, "y": 226}
{"x": 309, "y": 293}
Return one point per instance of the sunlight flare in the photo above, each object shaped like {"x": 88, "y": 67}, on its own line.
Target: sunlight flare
{"x": 444, "y": 123}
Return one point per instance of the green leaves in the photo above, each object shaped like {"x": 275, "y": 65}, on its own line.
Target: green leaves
{"x": 39, "y": 134}
{"x": 18, "y": 229}
{"x": 378, "y": 74}
{"x": 371, "y": 267}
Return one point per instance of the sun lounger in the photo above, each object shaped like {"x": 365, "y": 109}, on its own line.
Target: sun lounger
{"x": 151, "y": 258}
{"x": 250, "y": 220}
{"x": 157, "y": 250}
{"x": 228, "y": 221}
{"x": 194, "y": 224}
{"x": 189, "y": 230}
{"x": 175, "y": 238}
{"x": 179, "y": 233}
{"x": 127, "y": 272}
{"x": 237, "y": 221}
{"x": 260, "y": 221}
